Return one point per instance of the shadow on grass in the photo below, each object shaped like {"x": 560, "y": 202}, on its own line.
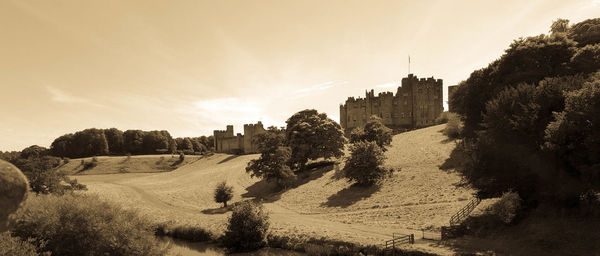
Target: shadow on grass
{"x": 457, "y": 159}
{"x": 228, "y": 159}
{"x": 269, "y": 192}
{"x": 219, "y": 210}
{"x": 350, "y": 195}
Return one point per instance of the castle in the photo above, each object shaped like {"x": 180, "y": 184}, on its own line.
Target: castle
{"x": 417, "y": 103}
{"x": 226, "y": 142}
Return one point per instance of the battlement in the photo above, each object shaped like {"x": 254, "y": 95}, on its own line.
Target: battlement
{"x": 226, "y": 142}
{"x": 416, "y": 103}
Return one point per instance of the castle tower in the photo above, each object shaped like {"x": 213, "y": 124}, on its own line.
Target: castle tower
{"x": 417, "y": 103}
{"x": 250, "y": 131}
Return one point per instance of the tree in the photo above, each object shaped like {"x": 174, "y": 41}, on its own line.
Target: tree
{"x": 133, "y": 141}
{"x": 559, "y": 26}
{"x": 247, "y": 227}
{"x": 587, "y": 59}
{"x": 41, "y": 173}
{"x": 311, "y": 135}
{"x": 273, "y": 164}
{"x": 364, "y": 166}
{"x": 114, "y": 137}
{"x": 574, "y": 137}
{"x": 586, "y": 32}
{"x": 374, "y": 130}
{"x": 34, "y": 151}
{"x": 223, "y": 193}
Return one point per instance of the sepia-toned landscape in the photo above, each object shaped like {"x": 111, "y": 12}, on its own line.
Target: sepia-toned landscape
{"x": 241, "y": 128}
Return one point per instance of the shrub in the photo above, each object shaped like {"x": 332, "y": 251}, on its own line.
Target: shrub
{"x": 247, "y": 228}
{"x": 90, "y": 165}
{"x": 187, "y": 233}
{"x": 507, "y": 208}
{"x": 374, "y": 130}
{"x": 454, "y": 126}
{"x": 223, "y": 193}
{"x": 364, "y": 166}
{"x": 443, "y": 118}
{"x": 83, "y": 225}
{"x": 14, "y": 246}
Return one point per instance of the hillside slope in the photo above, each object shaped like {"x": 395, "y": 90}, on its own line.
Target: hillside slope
{"x": 419, "y": 195}
{"x": 124, "y": 164}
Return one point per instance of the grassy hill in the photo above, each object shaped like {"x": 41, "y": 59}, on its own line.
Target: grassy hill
{"x": 124, "y": 164}
{"x": 419, "y": 195}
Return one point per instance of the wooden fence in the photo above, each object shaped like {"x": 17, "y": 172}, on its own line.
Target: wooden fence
{"x": 397, "y": 240}
{"x": 463, "y": 213}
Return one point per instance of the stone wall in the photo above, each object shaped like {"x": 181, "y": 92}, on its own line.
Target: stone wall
{"x": 226, "y": 142}
{"x": 417, "y": 103}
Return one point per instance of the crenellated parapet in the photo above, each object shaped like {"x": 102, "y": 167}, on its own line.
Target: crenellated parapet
{"x": 417, "y": 103}
{"x": 226, "y": 142}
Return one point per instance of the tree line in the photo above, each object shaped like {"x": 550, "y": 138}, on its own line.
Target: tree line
{"x": 95, "y": 142}
{"x": 532, "y": 118}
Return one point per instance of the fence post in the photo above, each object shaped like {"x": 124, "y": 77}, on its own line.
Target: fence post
{"x": 412, "y": 238}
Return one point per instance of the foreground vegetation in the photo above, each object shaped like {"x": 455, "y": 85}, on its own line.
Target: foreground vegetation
{"x": 531, "y": 118}
{"x": 83, "y": 225}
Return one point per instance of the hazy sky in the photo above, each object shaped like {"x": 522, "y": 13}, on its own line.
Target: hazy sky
{"x": 190, "y": 67}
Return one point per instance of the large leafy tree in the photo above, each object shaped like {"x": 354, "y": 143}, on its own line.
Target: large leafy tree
{"x": 273, "y": 163}
{"x": 574, "y": 136}
{"x": 312, "y": 135}
{"x": 364, "y": 166}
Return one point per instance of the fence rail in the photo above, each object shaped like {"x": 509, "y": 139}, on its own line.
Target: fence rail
{"x": 463, "y": 213}
{"x": 397, "y": 239}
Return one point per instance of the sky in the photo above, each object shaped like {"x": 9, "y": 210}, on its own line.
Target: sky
{"x": 191, "y": 67}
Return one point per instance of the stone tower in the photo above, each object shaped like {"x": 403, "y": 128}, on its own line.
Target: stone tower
{"x": 417, "y": 103}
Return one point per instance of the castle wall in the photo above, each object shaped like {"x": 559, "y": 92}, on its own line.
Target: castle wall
{"x": 226, "y": 142}
{"x": 250, "y": 131}
{"x": 417, "y": 103}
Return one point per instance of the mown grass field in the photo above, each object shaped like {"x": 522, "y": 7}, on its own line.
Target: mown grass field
{"x": 419, "y": 195}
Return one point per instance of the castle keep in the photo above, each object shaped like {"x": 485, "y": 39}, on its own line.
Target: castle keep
{"x": 226, "y": 142}
{"x": 417, "y": 103}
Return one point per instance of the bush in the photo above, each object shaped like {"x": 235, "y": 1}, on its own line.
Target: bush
{"x": 83, "y": 225}
{"x": 187, "y": 233}
{"x": 364, "y": 166}
{"x": 14, "y": 246}
{"x": 443, "y": 118}
{"x": 507, "y": 208}
{"x": 454, "y": 126}
{"x": 374, "y": 130}
{"x": 247, "y": 228}
{"x": 223, "y": 193}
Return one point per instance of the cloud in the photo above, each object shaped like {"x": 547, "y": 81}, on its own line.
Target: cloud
{"x": 63, "y": 97}
{"x": 230, "y": 104}
{"x": 318, "y": 87}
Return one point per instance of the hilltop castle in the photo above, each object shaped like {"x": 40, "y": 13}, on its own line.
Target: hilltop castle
{"x": 226, "y": 142}
{"x": 417, "y": 103}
